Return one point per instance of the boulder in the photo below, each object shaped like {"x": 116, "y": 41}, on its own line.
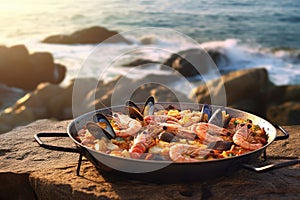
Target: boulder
{"x": 285, "y": 113}
{"x": 44, "y": 102}
{"x": 189, "y": 63}
{"x": 92, "y": 35}
{"x": 138, "y": 62}
{"x": 283, "y": 93}
{"x": 193, "y": 62}
{"x": 218, "y": 57}
{"x": 9, "y": 96}
{"x": 164, "y": 94}
{"x": 20, "y": 69}
{"x": 249, "y": 84}
{"x": 251, "y": 90}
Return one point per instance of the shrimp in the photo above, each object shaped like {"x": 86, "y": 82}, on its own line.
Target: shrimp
{"x": 154, "y": 119}
{"x": 187, "y": 153}
{"x": 126, "y": 125}
{"x": 209, "y": 132}
{"x": 178, "y": 130}
{"x": 246, "y": 139}
{"x": 140, "y": 144}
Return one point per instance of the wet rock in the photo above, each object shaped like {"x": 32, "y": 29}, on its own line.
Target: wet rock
{"x": 138, "y": 62}
{"x": 189, "y": 63}
{"x": 92, "y": 35}
{"x": 219, "y": 58}
{"x": 193, "y": 62}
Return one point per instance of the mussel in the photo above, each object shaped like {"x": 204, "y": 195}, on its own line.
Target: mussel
{"x": 220, "y": 145}
{"x": 206, "y": 113}
{"x": 101, "y": 127}
{"x": 135, "y": 112}
{"x": 167, "y": 137}
{"x": 218, "y": 117}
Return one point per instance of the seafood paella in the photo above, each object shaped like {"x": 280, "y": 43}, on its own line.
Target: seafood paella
{"x": 171, "y": 134}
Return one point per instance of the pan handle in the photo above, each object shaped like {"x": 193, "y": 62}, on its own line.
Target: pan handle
{"x": 270, "y": 167}
{"x": 38, "y": 137}
{"x": 285, "y": 132}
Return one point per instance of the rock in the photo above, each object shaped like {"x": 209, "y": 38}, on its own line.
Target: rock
{"x": 164, "y": 94}
{"x": 138, "y": 62}
{"x": 283, "y": 93}
{"x": 251, "y": 90}
{"x": 92, "y": 35}
{"x": 148, "y": 40}
{"x": 191, "y": 62}
{"x": 14, "y": 67}
{"x": 9, "y": 96}
{"x": 32, "y": 172}
{"x": 19, "y": 116}
{"x": 42, "y": 63}
{"x": 285, "y": 113}
{"x": 218, "y": 57}
{"x": 249, "y": 84}
{"x": 20, "y": 69}
{"x": 44, "y": 102}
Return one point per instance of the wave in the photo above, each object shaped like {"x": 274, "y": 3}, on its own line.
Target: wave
{"x": 282, "y": 63}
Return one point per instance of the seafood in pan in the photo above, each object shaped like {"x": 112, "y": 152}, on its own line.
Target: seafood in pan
{"x": 170, "y": 134}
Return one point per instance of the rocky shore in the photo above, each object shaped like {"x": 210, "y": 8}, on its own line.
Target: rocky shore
{"x": 248, "y": 90}
{"x": 42, "y": 96}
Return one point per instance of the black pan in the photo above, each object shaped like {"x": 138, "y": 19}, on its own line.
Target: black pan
{"x": 153, "y": 170}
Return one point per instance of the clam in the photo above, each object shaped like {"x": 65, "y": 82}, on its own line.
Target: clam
{"x": 135, "y": 112}
{"x": 101, "y": 128}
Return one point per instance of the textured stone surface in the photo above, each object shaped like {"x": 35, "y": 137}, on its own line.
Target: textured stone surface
{"x": 19, "y": 68}
{"x": 31, "y": 172}
{"x": 91, "y": 35}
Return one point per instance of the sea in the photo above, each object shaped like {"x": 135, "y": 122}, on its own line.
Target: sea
{"x": 250, "y": 33}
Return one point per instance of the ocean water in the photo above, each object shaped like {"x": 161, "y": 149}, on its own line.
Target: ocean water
{"x": 250, "y": 33}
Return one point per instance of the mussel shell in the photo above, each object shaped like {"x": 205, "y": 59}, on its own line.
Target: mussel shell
{"x": 132, "y": 104}
{"x": 97, "y": 131}
{"x": 220, "y": 145}
{"x": 167, "y": 137}
{"x": 148, "y": 108}
{"x": 218, "y": 117}
{"x": 109, "y": 131}
{"x": 206, "y": 113}
{"x": 134, "y": 111}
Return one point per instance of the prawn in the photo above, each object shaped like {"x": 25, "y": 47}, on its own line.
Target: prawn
{"x": 245, "y": 138}
{"x": 178, "y": 130}
{"x": 126, "y": 125}
{"x": 187, "y": 153}
{"x": 140, "y": 144}
{"x": 209, "y": 132}
{"x": 154, "y": 119}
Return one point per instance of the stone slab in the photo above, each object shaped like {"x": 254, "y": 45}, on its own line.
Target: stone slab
{"x": 28, "y": 171}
